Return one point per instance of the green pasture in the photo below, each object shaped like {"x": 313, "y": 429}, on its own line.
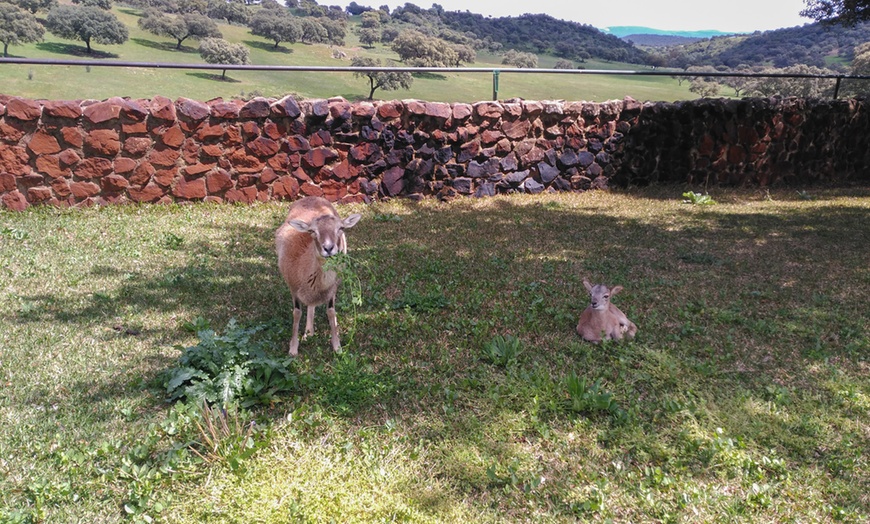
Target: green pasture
{"x": 56, "y": 82}
{"x": 463, "y": 393}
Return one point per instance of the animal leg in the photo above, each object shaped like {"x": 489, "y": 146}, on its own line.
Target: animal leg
{"x": 333, "y": 325}
{"x": 297, "y": 316}
{"x": 309, "y": 323}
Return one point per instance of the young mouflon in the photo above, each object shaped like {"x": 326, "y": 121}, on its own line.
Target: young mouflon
{"x": 601, "y": 319}
{"x": 312, "y": 232}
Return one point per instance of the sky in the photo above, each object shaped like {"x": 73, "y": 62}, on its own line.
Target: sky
{"x": 738, "y": 16}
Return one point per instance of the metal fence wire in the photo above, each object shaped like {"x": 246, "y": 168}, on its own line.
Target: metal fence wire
{"x": 837, "y": 78}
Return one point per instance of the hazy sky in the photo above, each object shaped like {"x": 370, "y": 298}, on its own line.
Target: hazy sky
{"x": 686, "y": 15}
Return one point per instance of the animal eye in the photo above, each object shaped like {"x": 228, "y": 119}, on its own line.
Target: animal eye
{"x": 606, "y": 296}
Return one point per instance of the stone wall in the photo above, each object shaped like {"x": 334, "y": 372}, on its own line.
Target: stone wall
{"x": 73, "y": 153}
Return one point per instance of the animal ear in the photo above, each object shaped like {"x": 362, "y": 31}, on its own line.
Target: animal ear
{"x": 351, "y": 220}
{"x": 587, "y": 285}
{"x": 615, "y": 290}
{"x": 299, "y": 225}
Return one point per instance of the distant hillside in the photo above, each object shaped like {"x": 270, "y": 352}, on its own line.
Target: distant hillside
{"x": 544, "y": 34}
{"x": 627, "y": 30}
{"x": 660, "y": 40}
{"x": 812, "y": 44}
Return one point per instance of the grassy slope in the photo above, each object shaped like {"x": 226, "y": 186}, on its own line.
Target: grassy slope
{"x": 747, "y": 389}
{"x": 100, "y": 83}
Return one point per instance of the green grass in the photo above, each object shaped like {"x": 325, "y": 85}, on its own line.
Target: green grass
{"x": 464, "y": 394}
{"x": 61, "y": 83}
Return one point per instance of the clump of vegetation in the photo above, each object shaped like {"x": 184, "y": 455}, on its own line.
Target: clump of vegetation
{"x": 698, "y": 199}
{"x": 238, "y": 366}
{"x": 503, "y": 351}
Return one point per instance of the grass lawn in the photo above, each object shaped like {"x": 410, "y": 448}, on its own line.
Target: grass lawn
{"x": 463, "y": 393}
{"x": 67, "y": 82}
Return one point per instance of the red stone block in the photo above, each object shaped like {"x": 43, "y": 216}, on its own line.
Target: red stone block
{"x": 142, "y": 174}
{"x": 310, "y": 189}
{"x": 39, "y": 194}
{"x": 69, "y": 157}
{"x": 218, "y": 181}
{"x": 462, "y": 111}
{"x": 13, "y": 131}
{"x": 42, "y": 143}
{"x": 23, "y": 109}
{"x": 286, "y": 187}
{"x": 345, "y": 171}
{"x": 225, "y": 110}
{"x": 13, "y": 160}
{"x": 73, "y": 136}
{"x": 333, "y": 190}
{"x": 267, "y": 176}
{"x": 165, "y": 177}
{"x": 162, "y": 108}
{"x": 319, "y": 157}
{"x": 93, "y": 167}
{"x": 172, "y": 137}
{"x": 213, "y": 150}
{"x": 390, "y": 110}
{"x": 250, "y": 128}
{"x": 103, "y": 142}
{"x": 195, "y": 170}
{"x": 137, "y": 146}
{"x": 258, "y": 107}
{"x": 150, "y": 193}
{"x": 287, "y": 106}
{"x": 163, "y": 156}
{"x": 298, "y": 143}
{"x": 438, "y": 110}
{"x": 273, "y": 130}
{"x": 114, "y": 183}
{"x": 134, "y": 128}
{"x": 84, "y": 189}
{"x": 491, "y": 110}
{"x": 189, "y": 189}
{"x": 244, "y": 163}
{"x": 245, "y": 195}
{"x": 61, "y": 187}
{"x": 517, "y": 129}
{"x": 192, "y": 109}
{"x": 124, "y": 165}
{"x": 7, "y": 182}
{"x": 14, "y": 201}
{"x": 279, "y": 162}
{"x": 50, "y": 165}
{"x": 263, "y": 147}
{"x": 209, "y": 131}
{"x": 63, "y": 109}
{"x": 104, "y": 111}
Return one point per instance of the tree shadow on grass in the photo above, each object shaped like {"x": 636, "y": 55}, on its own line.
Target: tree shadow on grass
{"x": 214, "y": 76}
{"x": 73, "y": 50}
{"x": 266, "y": 46}
{"x": 425, "y": 75}
{"x": 164, "y": 46}
{"x": 131, "y": 12}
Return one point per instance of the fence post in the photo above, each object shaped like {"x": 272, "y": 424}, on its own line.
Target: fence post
{"x": 495, "y": 85}
{"x": 837, "y": 87}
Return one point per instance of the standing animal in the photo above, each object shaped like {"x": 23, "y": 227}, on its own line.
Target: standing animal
{"x": 312, "y": 232}
{"x": 601, "y": 319}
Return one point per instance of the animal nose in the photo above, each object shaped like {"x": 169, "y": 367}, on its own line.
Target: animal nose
{"x": 328, "y": 249}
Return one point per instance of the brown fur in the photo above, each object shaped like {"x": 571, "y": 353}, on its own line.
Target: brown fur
{"x": 312, "y": 231}
{"x": 602, "y": 320}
